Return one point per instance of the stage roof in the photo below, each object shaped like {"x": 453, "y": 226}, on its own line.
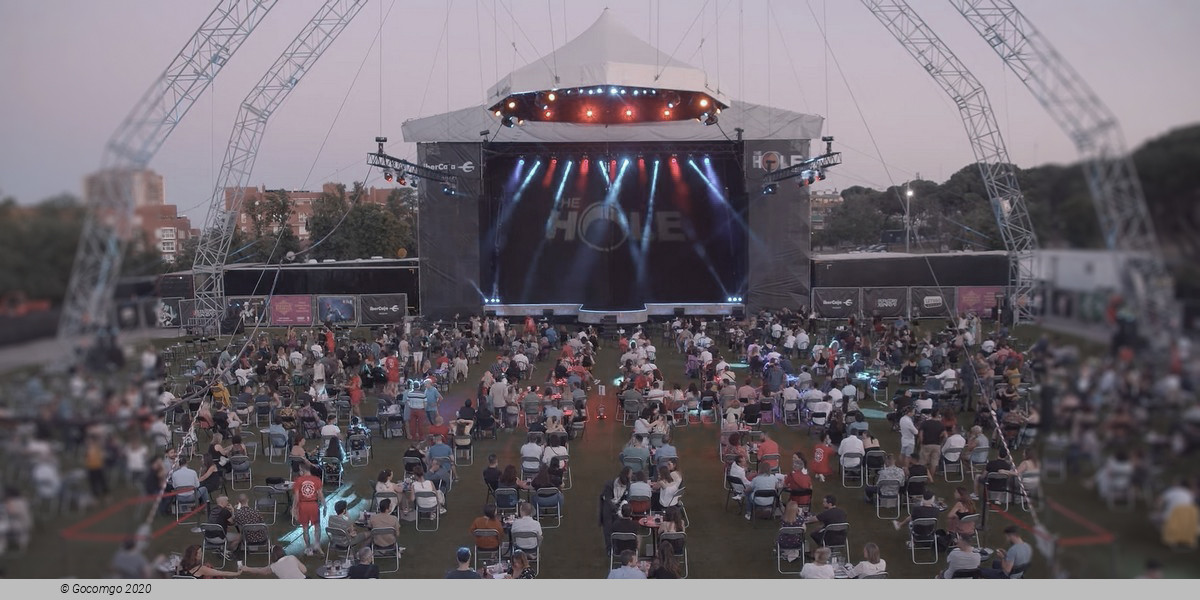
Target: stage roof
{"x": 609, "y": 54}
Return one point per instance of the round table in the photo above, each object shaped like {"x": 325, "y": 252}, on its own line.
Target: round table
{"x": 326, "y": 572}
{"x": 652, "y": 522}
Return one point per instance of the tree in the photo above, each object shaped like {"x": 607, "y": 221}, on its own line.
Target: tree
{"x": 343, "y": 227}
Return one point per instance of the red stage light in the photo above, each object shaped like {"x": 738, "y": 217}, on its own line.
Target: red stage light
{"x": 590, "y": 113}
{"x": 666, "y": 113}
{"x": 547, "y": 114}
{"x": 628, "y": 113}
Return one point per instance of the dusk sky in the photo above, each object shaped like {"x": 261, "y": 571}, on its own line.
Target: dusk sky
{"x": 72, "y": 69}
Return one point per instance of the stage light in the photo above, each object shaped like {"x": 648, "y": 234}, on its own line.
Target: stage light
{"x": 812, "y": 179}
{"x": 553, "y": 97}
{"x": 707, "y": 160}
{"x": 821, "y": 175}
{"x": 590, "y": 92}
{"x": 703, "y": 102}
{"x": 554, "y": 160}
{"x": 711, "y": 119}
{"x": 512, "y": 104}
{"x": 612, "y": 90}
{"x": 599, "y": 90}
{"x": 387, "y": 175}
{"x": 449, "y": 190}
{"x": 589, "y": 113}
{"x": 497, "y": 113}
{"x": 667, "y": 113}
{"x": 628, "y": 113}
{"x": 635, "y": 92}
{"x": 520, "y": 121}
{"x": 400, "y": 181}
{"x": 674, "y": 159}
{"x": 769, "y": 189}
{"x": 522, "y": 161}
{"x": 509, "y": 121}
{"x": 547, "y": 114}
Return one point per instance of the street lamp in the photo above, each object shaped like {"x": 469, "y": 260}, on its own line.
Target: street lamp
{"x": 908, "y": 194}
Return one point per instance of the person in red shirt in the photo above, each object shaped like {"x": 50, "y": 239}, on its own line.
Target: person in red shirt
{"x": 329, "y": 343}
{"x": 767, "y": 447}
{"x": 356, "y": 394}
{"x": 822, "y": 459}
{"x": 391, "y": 366}
{"x": 307, "y": 501}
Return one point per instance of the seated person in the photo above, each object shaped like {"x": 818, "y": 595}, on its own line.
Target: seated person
{"x": 830, "y": 515}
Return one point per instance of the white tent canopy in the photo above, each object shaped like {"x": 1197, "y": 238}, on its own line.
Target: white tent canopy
{"x": 605, "y": 54}
{"x": 608, "y": 54}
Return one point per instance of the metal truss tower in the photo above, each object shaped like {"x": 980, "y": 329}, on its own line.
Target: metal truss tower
{"x": 88, "y": 305}
{"x": 221, "y": 221}
{"x": 1112, "y": 180}
{"x": 991, "y": 155}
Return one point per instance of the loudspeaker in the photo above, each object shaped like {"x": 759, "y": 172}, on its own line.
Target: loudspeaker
{"x": 679, "y": 312}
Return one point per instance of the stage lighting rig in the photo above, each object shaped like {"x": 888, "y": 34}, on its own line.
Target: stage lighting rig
{"x": 607, "y": 105}
{"x": 401, "y": 171}
{"x": 809, "y": 170}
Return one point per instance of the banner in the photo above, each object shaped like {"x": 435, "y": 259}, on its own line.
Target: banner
{"x": 337, "y": 310}
{"x": 980, "y": 300}
{"x": 932, "y": 302}
{"x": 169, "y": 314}
{"x": 253, "y": 311}
{"x": 290, "y": 311}
{"x": 382, "y": 309}
{"x": 780, "y": 232}
{"x": 888, "y": 303}
{"x": 836, "y": 303}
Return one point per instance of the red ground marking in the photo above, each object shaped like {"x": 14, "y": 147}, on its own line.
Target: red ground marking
{"x": 1102, "y": 536}
{"x": 78, "y": 531}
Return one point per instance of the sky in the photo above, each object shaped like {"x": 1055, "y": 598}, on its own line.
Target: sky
{"x": 72, "y": 69}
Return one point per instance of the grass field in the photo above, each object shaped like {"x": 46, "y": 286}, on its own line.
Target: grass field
{"x": 720, "y": 544}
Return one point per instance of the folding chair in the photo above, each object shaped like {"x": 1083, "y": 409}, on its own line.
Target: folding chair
{"x": 485, "y": 555}
{"x": 339, "y": 544}
{"x": 412, "y": 461}
{"x": 888, "y": 496}
{"x": 530, "y": 467}
{"x": 979, "y": 461}
{"x": 185, "y": 502}
{"x": 261, "y": 548}
{"x": 802, "y": 497}
{"x": 331, "y": 471}
{"x": 240, "y": 473}
{"x": 464, "y": 454}
{"x": 430, "y": 513}
{"x": 997, "y": 489}
{"x": 798, "y": 532}
{"x": 678, "y": 541}
{"x": 914, "y": 489}
{"x": 221, "y": 547}
{"x": 677, "y": 502}
{"x": 762, "y": 500}
{"x": 852, "y": 473}
{"x": 1031, "y": 491}
{"x": 791, "y": 413}
{"x": 874, "y": 459}
{"x": 545, "y": 511}
{"x": 630, "y": 539}
{"x": 277, "y": 444}
{"x": 972, "y": 518}
{"x": 385, "y": 552}
{"x": 769, "y": 459}
{"x": 506, "y": 501}
{"x": 921, "y": 536}
{"x": 360, "y": 450}
{"x": 636, "y": 463}
{"x": 531, "y": 548}
{"x": 736, "y": 491}
{"x": 630, "y": 411}
{"x": 1054, "y": 460}
{"x": 657, "y": 439}
{"x": 817, "y": 422}
{"x": 841, "y": 550}
{"x": 577, "y": 428}
{"x": 1120, "y": 494}
{"x": 952, "y": 465}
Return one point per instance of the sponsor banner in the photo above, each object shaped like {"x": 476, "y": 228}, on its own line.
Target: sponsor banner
{"x": 885, "y": 302}
{"x": 836, "y": 303}
{"x": 337, "y": 310}
{"x": 931, "y": 302}
{"x": 291, "y": 310}
{"x": 978, "y": 299}
{"x": 168, "y": 313}
{"x": 382, "y": 309}
{"x": 252, "y": 311}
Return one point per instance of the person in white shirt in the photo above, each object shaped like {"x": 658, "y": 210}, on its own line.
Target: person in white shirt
{"x": 948, "y": 374}
{"x": 283, "y": 566}
{"x": 850, "y": 444}
{"x": 738, "y": 471}
{"x": 988, "y": 346}
{"x": 331, "y": 430}
{"x": 873, "y": 565}
{"x": 908, "y": 437}
{"x": 706, "y": 357}
{"x": 819, "y": 568}
{"x": 526, "y": 523}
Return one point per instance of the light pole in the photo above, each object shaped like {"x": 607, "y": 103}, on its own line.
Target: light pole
{"x": 908, "y": 194}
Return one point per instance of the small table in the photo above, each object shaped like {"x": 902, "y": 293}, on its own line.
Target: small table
{"x": 332, "y": 572}
{"x": 652, "y": 522}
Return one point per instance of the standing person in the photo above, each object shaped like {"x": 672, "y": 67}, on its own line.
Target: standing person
{"x": 308, "y": 500}
{"x": 93, "y": 460}
{"x": 822, "y": 459}
{"x": 391, "y": 367}
{"x": 908, "y": 437}
{"x": 432, "y": 397}
{"x": 930, "y": 436}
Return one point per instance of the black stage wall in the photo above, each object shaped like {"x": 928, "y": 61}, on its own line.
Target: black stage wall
{"x": 780, "y": 230}
{"x": 448, "y": 227}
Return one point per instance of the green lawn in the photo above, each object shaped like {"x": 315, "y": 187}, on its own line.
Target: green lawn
{"x": 721, "y": 544}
